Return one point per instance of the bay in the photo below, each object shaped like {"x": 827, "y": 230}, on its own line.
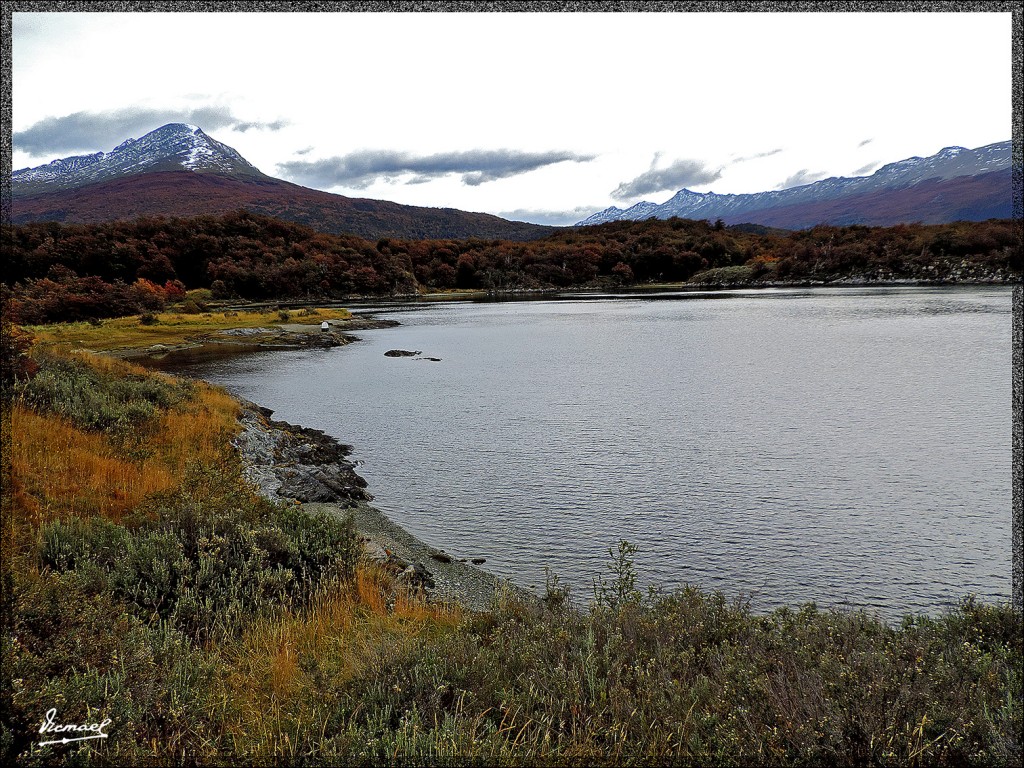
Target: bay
{"x": 845, "y": 446}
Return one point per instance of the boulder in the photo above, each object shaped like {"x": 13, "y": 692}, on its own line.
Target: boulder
{"x": 416, "y": 576}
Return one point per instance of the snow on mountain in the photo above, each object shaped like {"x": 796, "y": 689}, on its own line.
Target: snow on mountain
{"x": 175, "y": 146}
{"x": 638, "y": 212}
{"x": 948, "y": 163}
{"x": 601, "y": 217}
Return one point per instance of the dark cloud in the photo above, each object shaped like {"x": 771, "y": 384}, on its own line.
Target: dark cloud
{"x": 681, "y": 173}
{"x": 101, "y": 131}
{"x": 549, "y": 218}
{"x": 759, "y": 155}
{"x": 359, "y": 170}
{"x": 866, "y": 141}
{"x": 802, "y": 177}
{"x": 864, "y": 170}
{"x": 241, "y": 127}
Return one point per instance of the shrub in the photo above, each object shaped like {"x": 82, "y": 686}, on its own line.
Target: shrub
{"x": 76, "y": 649}
{"x": 191, "y": 307}
{"x": 200, "y": 295}
{"x": 93, "y": 399}
{"x": 16, "y": 366}
{"x": 208, "y": 556}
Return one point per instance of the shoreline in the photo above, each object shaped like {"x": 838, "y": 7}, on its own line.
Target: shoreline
{"x": 309, "y": 468}
{"x": 292, "y": 464}
{"x": 287, "y": 335}
{"x": 856, "y": 281}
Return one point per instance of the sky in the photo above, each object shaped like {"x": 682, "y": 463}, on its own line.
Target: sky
{"x": 535, "y": 117}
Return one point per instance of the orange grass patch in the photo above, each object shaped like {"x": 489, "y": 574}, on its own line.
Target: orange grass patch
{"x": 280, "y": 663}
{"x": 65, "y": 471}
{"x": 60, "y": 470}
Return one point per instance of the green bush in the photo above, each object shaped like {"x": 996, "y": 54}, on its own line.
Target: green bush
{"x": 692, "y": 678}
{"x": 199, "y": 295}
{"x": 77, "y": 650}
{"x": 191, "y": 307}
{"x": 208, "y": 557}
{"x": 92, "y": 399}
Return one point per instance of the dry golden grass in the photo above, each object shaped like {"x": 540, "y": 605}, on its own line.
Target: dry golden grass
{"x": 170, "y": 328}
{"x": 59, "y": 470}
{"x": 65, "y": 471}
{"x": 280, "y": 664}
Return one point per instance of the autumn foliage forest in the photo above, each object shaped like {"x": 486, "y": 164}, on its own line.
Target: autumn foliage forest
{"x": 56, "y": 272}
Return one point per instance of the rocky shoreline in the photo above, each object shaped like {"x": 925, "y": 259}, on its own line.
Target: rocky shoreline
{"x": 299, "y": 465}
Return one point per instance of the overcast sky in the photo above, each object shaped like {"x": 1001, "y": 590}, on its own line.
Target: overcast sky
{"x": 537, "y": 117}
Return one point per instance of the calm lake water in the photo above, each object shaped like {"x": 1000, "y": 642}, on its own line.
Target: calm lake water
{"x": 843, "y": 446}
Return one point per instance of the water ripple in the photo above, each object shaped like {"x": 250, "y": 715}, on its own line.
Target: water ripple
{"x": 843, "y": 447}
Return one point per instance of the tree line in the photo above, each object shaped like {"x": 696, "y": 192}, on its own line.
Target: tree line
{"x": 57, "y": 272}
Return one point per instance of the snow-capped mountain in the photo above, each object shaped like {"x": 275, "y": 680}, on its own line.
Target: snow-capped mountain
{"x": 949, "y": 163}
{"x": 637, "y": 212}
{"x": 177, "y": 170}
{"x": 176, "y": 146}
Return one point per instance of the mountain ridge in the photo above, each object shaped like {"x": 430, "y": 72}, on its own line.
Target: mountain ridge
{"x": 170, "y": 147}
{"x": 178, "y": 170}
{"x": 948, "y": 164}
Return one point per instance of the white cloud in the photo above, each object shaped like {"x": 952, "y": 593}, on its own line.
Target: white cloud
{"x": 622, "y": 87}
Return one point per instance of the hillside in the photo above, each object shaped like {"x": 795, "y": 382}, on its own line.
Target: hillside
{"x": 183, "y": 193}
{"x": 934, "y": 201}
{"x": 177, "y": 170}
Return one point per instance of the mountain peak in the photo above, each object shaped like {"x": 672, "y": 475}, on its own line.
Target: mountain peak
{"x": 949, "y": 163}
{"x": 171, "y": 147}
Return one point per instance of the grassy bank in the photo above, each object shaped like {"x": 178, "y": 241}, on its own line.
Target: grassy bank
{"x": 170, "y": 328}
{"x": 151, "y": 586}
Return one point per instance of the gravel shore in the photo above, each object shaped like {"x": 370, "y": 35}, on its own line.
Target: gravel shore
{"x": 455, "y": 581}
{"x": 290, "y": 463}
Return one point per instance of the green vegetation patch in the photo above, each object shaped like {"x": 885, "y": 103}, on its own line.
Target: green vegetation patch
{"x": 691, "y": 678}
{"x": 97, "y": 399}
{"x": 207, "y": 557}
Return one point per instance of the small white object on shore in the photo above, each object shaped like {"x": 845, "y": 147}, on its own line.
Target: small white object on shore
{"x": 325, "y": 326}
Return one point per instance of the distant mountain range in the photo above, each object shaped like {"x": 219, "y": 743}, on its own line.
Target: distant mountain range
{"x": 954, "y": 184}
{"x": 177, "y": 170}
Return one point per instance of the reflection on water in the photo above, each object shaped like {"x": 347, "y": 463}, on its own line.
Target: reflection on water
{"x": 847, "y": 446}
